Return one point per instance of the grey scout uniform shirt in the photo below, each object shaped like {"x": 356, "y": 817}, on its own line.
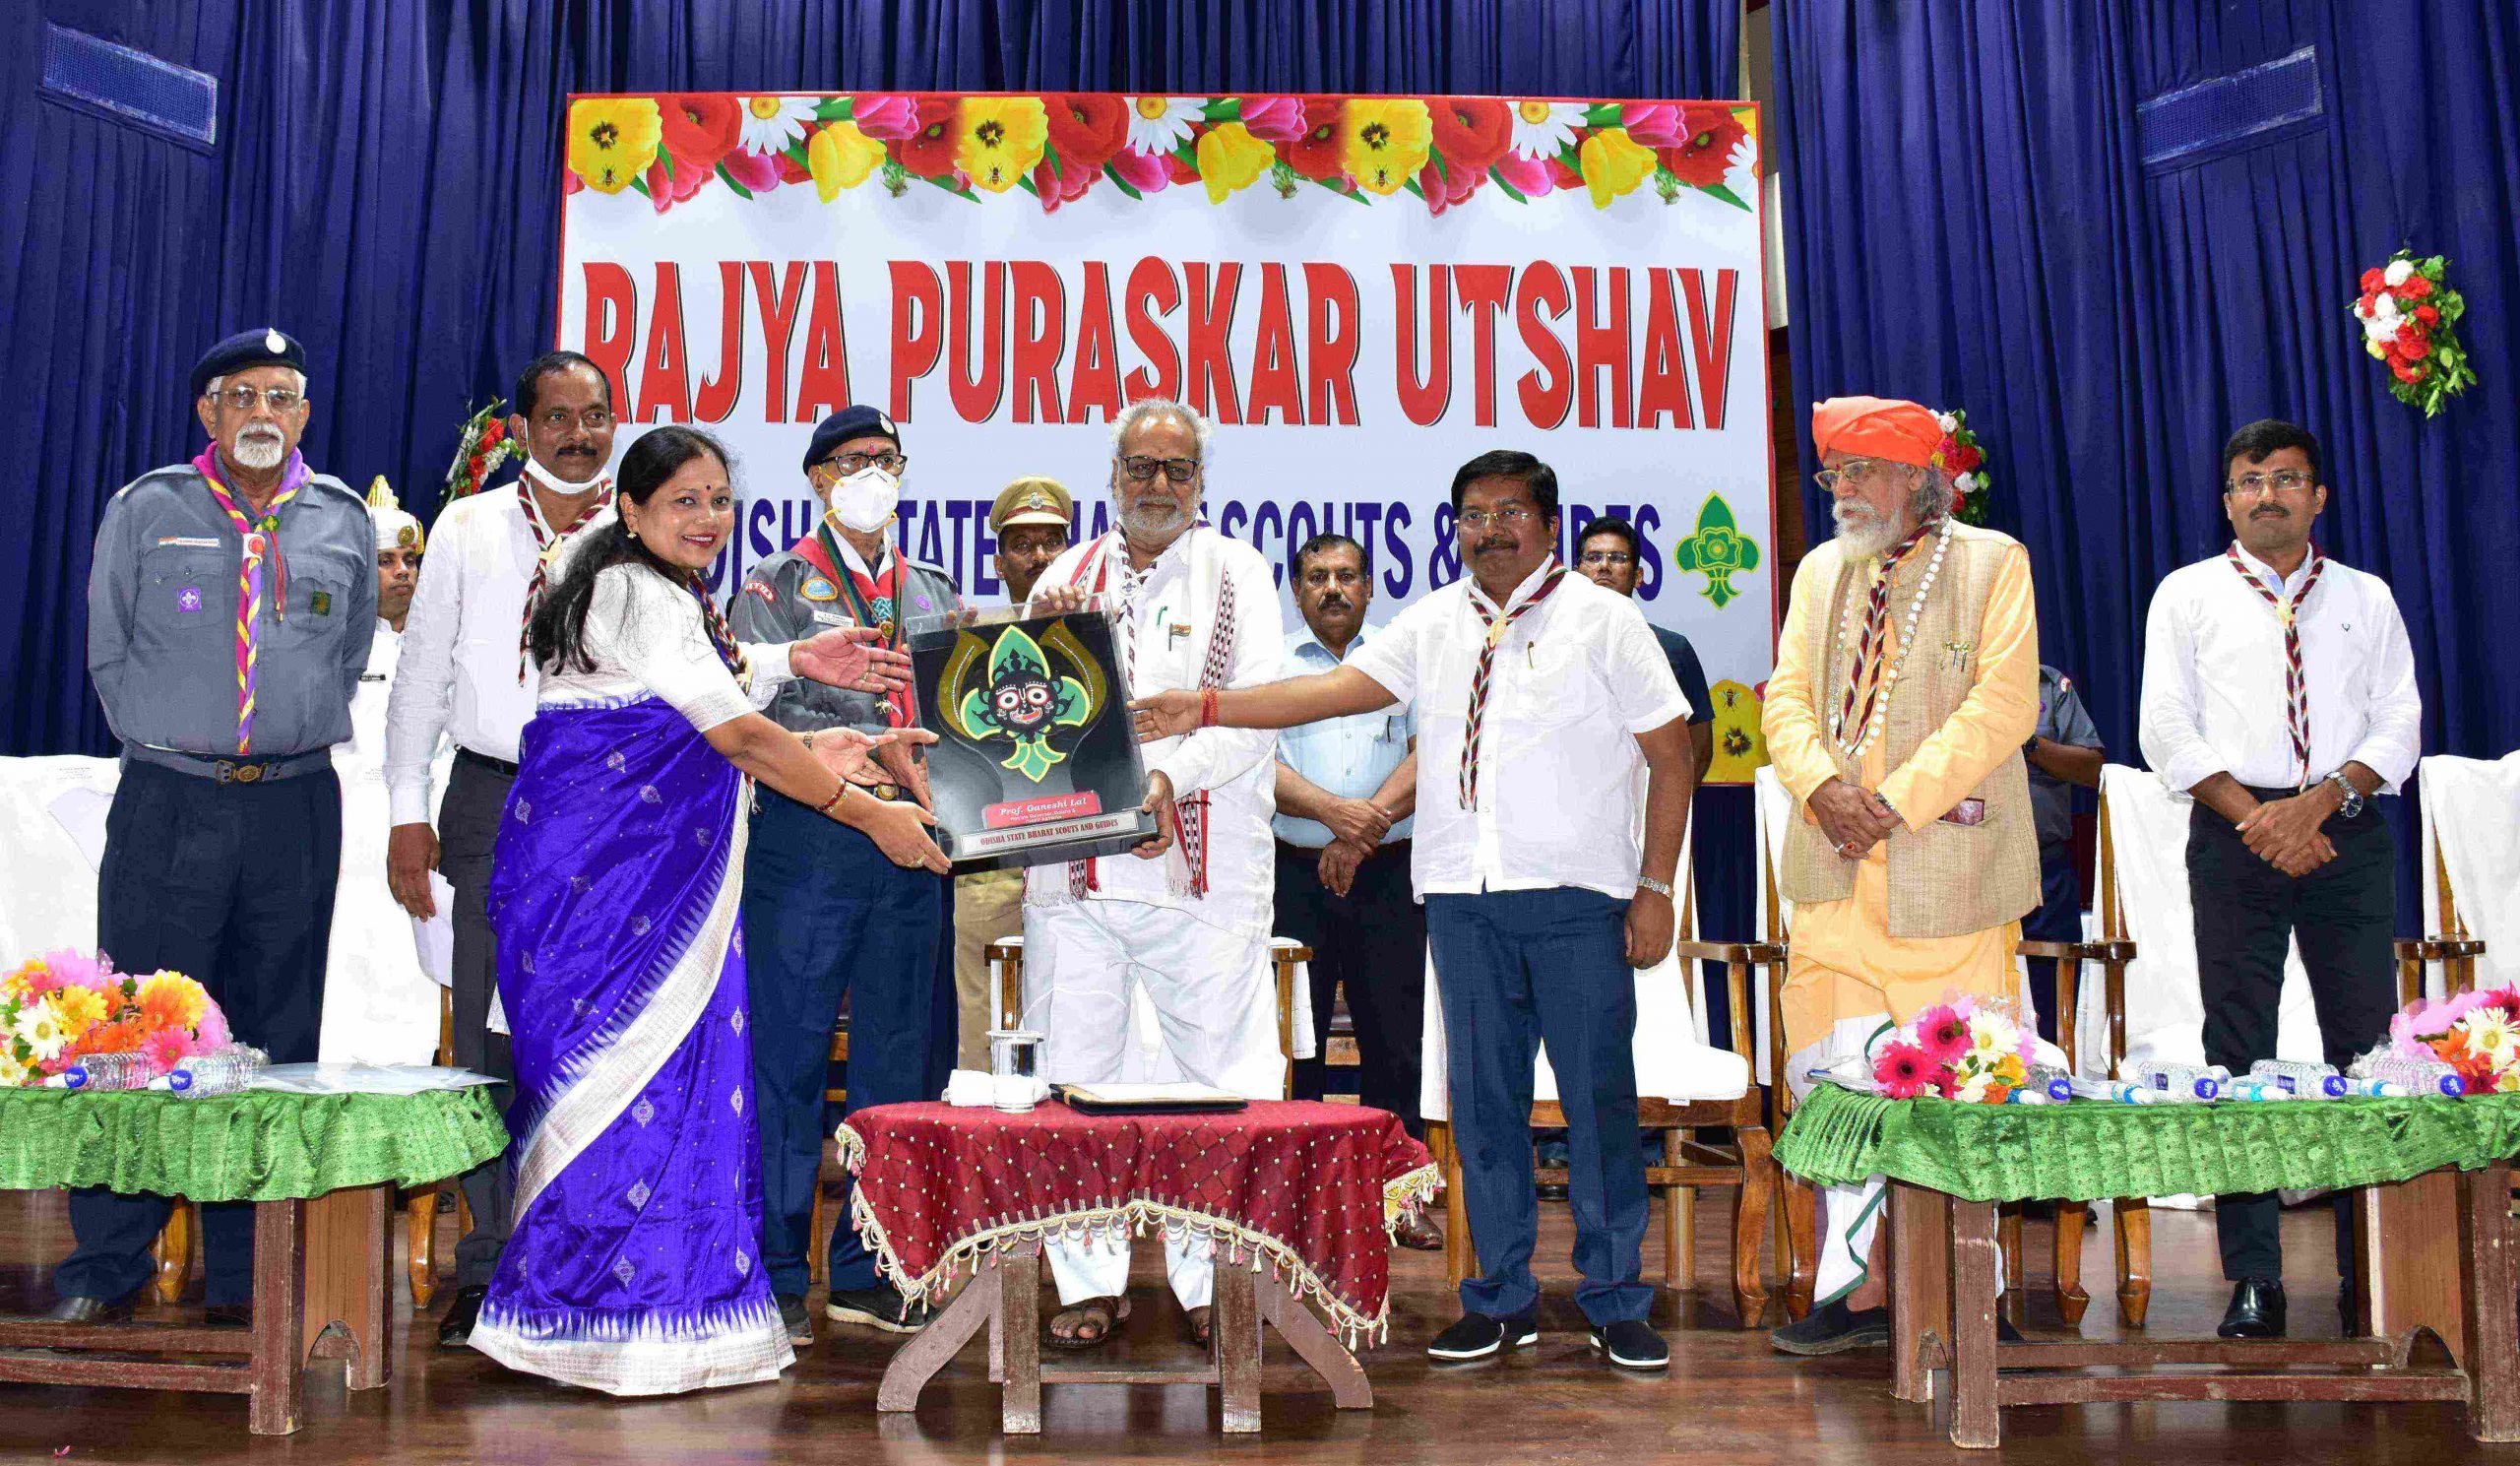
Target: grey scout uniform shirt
{"x": 2061, "y": 717}
{"x": 161, "y": 618}
{"x": 773, "y": 606}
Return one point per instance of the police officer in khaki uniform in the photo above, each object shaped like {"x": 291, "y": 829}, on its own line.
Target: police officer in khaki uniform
{"x": 1034, "y": 520}
{"x": 229, "y": 609}
{"x": 828, "y": 917}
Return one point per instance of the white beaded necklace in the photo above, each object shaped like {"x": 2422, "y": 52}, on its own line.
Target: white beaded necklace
{"x": 1907, "y": 643}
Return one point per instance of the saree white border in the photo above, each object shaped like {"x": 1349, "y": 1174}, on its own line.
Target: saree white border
{"x": 650, "y": 1362}
{"x": 1401, "y": 1197}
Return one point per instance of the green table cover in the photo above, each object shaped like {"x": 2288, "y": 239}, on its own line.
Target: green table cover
{"x": 2091, "y": 1150}
{"x": 257, "y": 1145}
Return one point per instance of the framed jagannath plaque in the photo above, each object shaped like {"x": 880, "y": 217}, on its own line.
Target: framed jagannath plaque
{"x": 1034, "y": 761}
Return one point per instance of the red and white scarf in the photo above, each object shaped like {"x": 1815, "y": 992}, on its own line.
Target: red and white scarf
{"x": 2296, "y": 686}
{"x": 546, "y": 548}
{"x": 1095, "y": 574}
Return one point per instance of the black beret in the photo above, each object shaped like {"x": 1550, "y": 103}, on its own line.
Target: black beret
{"x": 856, "y": 420}
{"x": 267, "y": 347}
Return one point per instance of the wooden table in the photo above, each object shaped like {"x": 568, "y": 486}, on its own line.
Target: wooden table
{"x": 1943, "y": 1300}
{"x": 320, "y": 1272}
{"x": 320, "y": 1281}
{"x": 1005, "y": 1295}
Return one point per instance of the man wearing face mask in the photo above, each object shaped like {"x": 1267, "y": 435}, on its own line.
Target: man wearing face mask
{"x": 828, "y": 917}
{"x": 464, "y": 674}
{"x": 230, "y": 605}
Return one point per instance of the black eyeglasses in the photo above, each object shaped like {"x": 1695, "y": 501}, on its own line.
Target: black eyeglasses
{"x": 1141, "y": 469}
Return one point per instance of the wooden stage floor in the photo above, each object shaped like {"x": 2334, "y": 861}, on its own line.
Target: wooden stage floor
{"x": 1727, "y": 1398}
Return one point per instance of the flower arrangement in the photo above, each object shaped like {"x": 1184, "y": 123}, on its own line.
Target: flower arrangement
{"x": 482, "y": 446}
{"x": 1055, "y": 147}
{"x": 1960, "y": 456}
{"x": 66, "y": 1006}
{"x": 2409, "y": 324}
{"x": 2476, "y": 1032}
{"x": 1973, "y": 1049}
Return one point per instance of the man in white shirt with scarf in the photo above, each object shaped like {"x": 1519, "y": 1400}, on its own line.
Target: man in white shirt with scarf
{"x": 1187, "y": 915}
{"x": 464, "y": 673}
{"x": 2279, "y": 690}
{"x": 1540, "y": 696}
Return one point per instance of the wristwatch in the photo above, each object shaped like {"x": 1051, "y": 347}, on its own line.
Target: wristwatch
{"x": 1662, "y": 888}
{"x": 2352, "y": 805}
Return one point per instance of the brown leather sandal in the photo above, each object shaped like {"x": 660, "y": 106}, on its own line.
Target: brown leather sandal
{"x": 1104, "y": 1314}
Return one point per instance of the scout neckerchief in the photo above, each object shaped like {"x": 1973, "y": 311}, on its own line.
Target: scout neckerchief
{"x": 1190, "y": 812}
{"x": 1868, "y": 678}
{"x": 1497, "y": 629}
{"x": 2296, "y": 686}
{"x": 546, "y": 548}
{"x": 874, "y": 600}
{"x": 720, "y": 635}
{"x": 258, "y": 540}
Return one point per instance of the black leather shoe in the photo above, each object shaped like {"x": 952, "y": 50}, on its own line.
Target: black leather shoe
{"x": 1632, "y": 1344}
{"x": 228, "y": 1315}
{"x": 78, "y": 1309}
{"x": 2256, "y": 1310}
{"x": 1833, "y": 1328}
{"x": 797, "y": 1318}
{"x": 455, "y": 1330}
{"x": 1478, "y": 1336}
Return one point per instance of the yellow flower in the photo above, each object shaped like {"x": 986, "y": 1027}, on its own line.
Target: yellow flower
{"x": 1231, "y": 157}
{"x": 1383, "y": 141}
{"x": 81, "y": 1009}
{"x": 612, "y": 140}
{"x": 20, "y": 982}
{"x": 1613, "y": 163}
{"x": 13, "y": 1073}
{"x": 841, "y": 157}
{"x": 1002, "y": 140}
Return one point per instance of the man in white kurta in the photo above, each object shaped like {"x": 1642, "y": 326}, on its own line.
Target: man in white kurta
{"x": 380, "y": 1004}
{"x": 1188, "y": 917}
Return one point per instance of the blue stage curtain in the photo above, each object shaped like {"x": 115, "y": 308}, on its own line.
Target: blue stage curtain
{"x": 1969, "y": 223}
{"x": 385, "y": 188}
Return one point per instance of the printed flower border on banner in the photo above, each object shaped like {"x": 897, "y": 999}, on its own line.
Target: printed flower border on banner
{"x": 63, "y": 1007}
{"x": 2408, "y": 316}
{"x": 1960, "y": 456}
{"x": 1055, "y": 147}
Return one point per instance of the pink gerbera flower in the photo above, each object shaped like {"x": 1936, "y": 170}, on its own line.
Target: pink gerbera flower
{"x": 1903, "y": 1072}
{"x": 167, "y": 1048}
{"x": 1942, "y": 1033}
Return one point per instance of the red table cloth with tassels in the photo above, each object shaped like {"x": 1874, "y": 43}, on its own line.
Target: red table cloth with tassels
{"x": 1311, "y": 1187}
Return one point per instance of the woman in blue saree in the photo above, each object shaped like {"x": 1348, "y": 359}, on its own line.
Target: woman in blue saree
{"x": 634, "y": 1266}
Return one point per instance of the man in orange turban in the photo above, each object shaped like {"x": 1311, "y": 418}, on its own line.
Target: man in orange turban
{"x": 1907, "y": 681}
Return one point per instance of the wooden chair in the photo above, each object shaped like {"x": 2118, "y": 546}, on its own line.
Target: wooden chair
{"x": 1744, "y": 1165}
{"x": 2132, "y": 1215}
{"x": 818, "y": 1260}
{"x": 420, "y": 1205}
{"x": 2450, "y": 945}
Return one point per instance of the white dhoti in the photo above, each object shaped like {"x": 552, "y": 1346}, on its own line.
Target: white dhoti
{"x": 1215, "y": 1003}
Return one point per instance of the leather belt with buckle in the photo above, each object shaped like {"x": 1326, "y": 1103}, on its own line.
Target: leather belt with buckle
{"x": 230, "y": 771}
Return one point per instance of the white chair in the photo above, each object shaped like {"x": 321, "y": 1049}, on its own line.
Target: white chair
{"x": 2470, "y": 877}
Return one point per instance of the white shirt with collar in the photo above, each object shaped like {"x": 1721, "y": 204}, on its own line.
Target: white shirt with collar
{"x": 1168, "y": 642}
{"x": 1573, "y": 683}
{"x": 2213, "y": 687}
{"x": 458, "y": 674}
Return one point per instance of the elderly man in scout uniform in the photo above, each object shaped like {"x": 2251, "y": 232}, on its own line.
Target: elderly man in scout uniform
{"x": 827, "y": 916}
{"x": 1033, "y": 519}
{"x": 1907, "y": 682}
{"x": 229, "y": 611}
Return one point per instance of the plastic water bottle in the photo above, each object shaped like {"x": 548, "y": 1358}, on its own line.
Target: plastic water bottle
{"x": 2420, "y": 1076}
{"x": 2185, "y": 1081}
{"x": 104, "y": 1071}
{"x": 2052, "y": 1083}
{"x": 222, "y": 1072}
{"x": 2255, "y": 1087}
{"x": 2375, "y": 1089}
{"x": 2117, "y": 1092}
{"x": 2300, "y": 1080}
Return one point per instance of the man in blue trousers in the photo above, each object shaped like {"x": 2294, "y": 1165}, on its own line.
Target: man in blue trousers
{"x": 828, "y": 917}
{"x": 1537, "y": 694}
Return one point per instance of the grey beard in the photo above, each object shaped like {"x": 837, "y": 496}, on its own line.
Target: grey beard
{"x": 1865, "y": 536}
{"x": 1154, "y": 519}
{"x": 259, "y": 450}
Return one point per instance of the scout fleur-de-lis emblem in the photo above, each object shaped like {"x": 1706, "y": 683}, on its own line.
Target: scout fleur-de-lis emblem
{"x": 1718, "y": 551}
{"x": 1024, "y": 701}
